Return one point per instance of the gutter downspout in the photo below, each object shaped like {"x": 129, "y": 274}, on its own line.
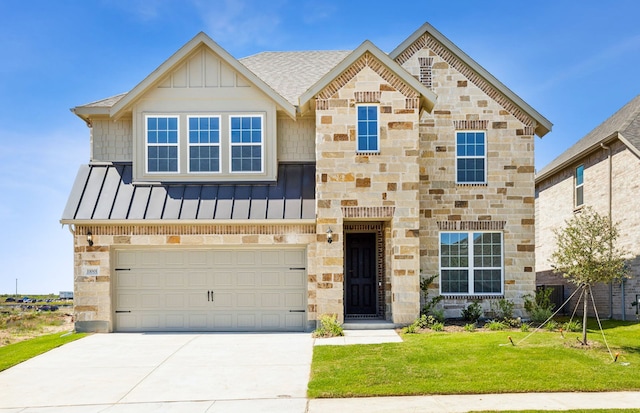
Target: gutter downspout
{"x": 609, "y": 185}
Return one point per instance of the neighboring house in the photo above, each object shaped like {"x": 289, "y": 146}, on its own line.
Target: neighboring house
{"x": 262, "y": 193}
{"x": 602, "y": 170}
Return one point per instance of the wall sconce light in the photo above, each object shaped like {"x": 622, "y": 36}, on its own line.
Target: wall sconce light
{"x": 90, "y": 238}
{"x": 329, "y": 236}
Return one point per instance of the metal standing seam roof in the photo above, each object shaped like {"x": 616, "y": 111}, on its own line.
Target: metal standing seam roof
{"x": 625, "y": 123}
{"x": 106, "y": 192}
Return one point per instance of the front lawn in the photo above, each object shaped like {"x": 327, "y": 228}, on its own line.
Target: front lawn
{"x": 480, "y": 362}
{"x": 12, "y": 354}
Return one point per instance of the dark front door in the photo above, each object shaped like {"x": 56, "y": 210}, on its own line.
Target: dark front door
{"x": 361, "y": 274}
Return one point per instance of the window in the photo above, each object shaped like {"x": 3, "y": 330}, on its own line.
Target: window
{"x": 204, "y": 144}
{"x": 162, "y": 144}
{"x": 246, "y": 143}
{"x": 471, "y": 158}
{"x": 471, "y": 263}
{"x": 367, "y": 129}
{"x": 579, "y": 198}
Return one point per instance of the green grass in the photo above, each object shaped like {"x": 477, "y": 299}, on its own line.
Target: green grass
{"x": 479, "y": 362}
{"x": 13, "y": 354}
{"x": 563, "y": 411}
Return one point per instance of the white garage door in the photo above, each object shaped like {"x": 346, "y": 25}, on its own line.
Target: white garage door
{"x": 210, "y": 290}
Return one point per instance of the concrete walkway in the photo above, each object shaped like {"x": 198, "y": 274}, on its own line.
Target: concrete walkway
{"x": 225, "y": 372}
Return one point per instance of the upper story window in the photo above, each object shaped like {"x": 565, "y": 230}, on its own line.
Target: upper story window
{"x": 471, "y": 263}
{"x": 367, "y": 129}
{"x": 204, "y": 144}
{"x": 246, "y": 143}
{"x": 471, "y": 158}
{"x": 579, "y": 197}
{"x": 162, "y": 144}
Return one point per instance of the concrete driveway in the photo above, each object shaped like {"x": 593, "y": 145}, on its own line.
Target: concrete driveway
{"x": 216, "y": 372}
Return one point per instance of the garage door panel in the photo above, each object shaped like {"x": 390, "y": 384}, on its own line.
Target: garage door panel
{"x": 294, "y": 300}
{"x": 245, "y": 300}
{"x": 294, "y": 279}
{"x": 270, "y": 300}
{"x": 246, "y": 279}
{"x": 222, "y": 299}
{"x": 210, "y": 290}
{"x": 222, "y": 279}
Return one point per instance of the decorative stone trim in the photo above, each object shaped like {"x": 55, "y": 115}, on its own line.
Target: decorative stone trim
{"x": 435, "y": 46}
{"x": 367, "y": 60}
{"x": 368, "y": 212}
{"x": 471, "y": 124}
{"x": 206, "y": 229}
{"x": 471, "y": 225}
{"x": 322, "y": 104}
{"x": 412, "y": 103}
{"x": 367, "y": 97}
{"x": 473, "y": 297}
{"x": 426, "y": 64}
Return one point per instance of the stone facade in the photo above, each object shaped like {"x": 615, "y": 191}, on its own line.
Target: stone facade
{"x": 506, "y": 202}
{"x": 555, "y": 205}
{"x": 404, "y": 194}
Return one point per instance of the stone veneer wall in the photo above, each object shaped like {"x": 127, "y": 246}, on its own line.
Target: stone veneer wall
{"x": 93, "y": 294}
{"x": 555, "y": 205}
{"x": 111, "y": 141}
{"x": 376, "y": 187}
{"x": 506, "y": 202}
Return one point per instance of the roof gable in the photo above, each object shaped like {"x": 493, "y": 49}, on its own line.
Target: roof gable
{"x": 427, "y": 35}
{"x": 623, "y": 125}
{"x": 173, "y": 64}
{"x": 384, "y": 66}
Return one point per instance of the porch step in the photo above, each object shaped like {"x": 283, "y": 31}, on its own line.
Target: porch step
{"x": 368, "y": 325}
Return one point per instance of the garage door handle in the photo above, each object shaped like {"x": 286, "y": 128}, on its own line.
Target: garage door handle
{"x": 210, "y": 296}
{"x": 296, "y": 311}
{"x": 297, "y": 268}
{"x": 122, "y": 311}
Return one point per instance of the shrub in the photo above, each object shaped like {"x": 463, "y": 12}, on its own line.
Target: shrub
{"x": 470, "y": 327}
{"x": 472, "y": 313}
{"x": 495, "y": 325}
{"x": 551, "y": 325}
{"x": 438, "y": 315}
{"x": 422, "y": 322}
{"x": 429, "y": 303}
{"x": 512, "y": 322}
{"x": 437, "y": 326}
{"x": 329, "y": 327}
{"x": 524, "y": 327}
{"x": 539, "y": 307}
{"x": 502, "y": 308}
{"x": 572, "y": 326}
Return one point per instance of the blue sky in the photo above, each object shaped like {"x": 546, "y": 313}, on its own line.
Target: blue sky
{"x": 576, "y": 62}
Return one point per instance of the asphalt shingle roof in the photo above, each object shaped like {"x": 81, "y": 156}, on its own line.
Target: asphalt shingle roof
{"x": 292, "y": 73}
{"x": 625, "y": 122}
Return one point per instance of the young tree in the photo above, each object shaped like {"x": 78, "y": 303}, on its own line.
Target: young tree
{"x": 586, "y": 254}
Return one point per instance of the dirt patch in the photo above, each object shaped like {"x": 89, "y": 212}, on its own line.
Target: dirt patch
{"x": 20, "y": 326}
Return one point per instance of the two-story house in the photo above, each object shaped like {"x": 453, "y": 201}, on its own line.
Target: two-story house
{"x": 601, "y": 170}
{"x": 264, "y": 192}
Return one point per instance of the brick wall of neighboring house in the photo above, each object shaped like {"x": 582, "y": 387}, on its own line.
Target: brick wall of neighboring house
{"x": 92, "y": 298}
{"x": 555, "y": 204}
{"x": 355, "y": 188}
{"x": 111, "y": 140}
{"x": 506, "y": 202}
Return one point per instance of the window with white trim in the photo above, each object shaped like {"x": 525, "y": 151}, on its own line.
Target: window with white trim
{"x": 579, "y": 197}
{"x": 471, "y": 157}
{"x": 367, "y": 129}
{"x": 471, "y": 263}
{"x": 162, "y": 144}
{"x": 246, "y": 143}
{"x": 204, "y": 144}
